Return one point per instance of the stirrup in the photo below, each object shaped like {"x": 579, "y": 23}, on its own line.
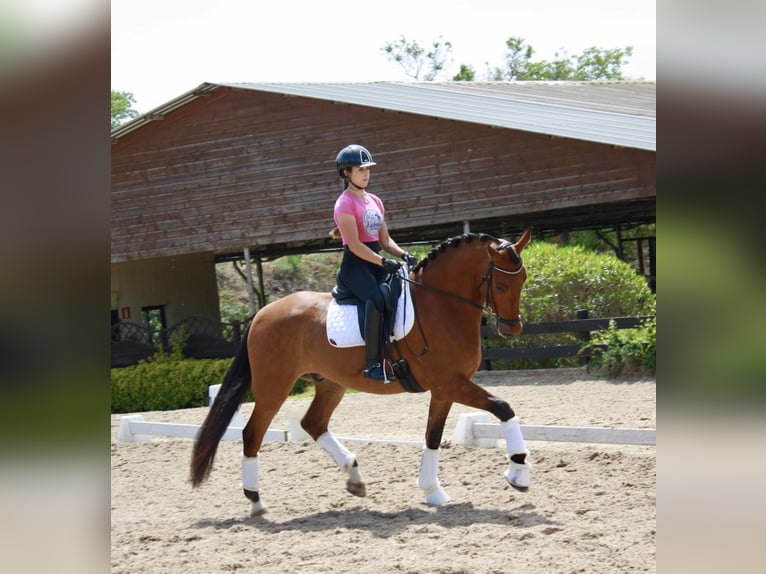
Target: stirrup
{"x": 375, "y": 372}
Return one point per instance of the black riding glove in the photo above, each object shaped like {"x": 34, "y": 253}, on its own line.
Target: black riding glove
{"x": 410, "y": 259}
{"x": 391, "y": 266}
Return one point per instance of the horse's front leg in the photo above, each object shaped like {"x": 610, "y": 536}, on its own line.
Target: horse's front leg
{"x": 518, "y": 473}
{"x": 428, "y": 477}
{"x": 315, "y": 422}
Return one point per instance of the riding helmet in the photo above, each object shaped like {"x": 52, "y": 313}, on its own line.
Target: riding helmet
{"x": 353, "y": 156}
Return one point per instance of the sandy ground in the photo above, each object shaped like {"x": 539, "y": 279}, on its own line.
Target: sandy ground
{"x": 591, "y": 507}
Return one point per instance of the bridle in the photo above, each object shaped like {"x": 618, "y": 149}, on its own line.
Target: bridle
{"x": 489, "y": 297}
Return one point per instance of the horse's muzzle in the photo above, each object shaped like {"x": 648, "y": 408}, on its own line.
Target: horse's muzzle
{"x": 509, "y": 327}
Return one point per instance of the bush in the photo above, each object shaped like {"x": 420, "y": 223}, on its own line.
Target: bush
{"x": 624, "y": 351}
{"x": 170, "y": 381}
{"x": 561, "y": 280}
{"x": 165, "y": 382}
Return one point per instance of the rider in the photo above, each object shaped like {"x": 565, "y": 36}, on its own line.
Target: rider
{"x": 359, "y": 217}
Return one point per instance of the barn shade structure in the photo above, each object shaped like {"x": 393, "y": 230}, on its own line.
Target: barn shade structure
{"x": 227, "y": 167}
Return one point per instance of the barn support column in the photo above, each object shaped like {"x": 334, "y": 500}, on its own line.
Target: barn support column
{"x": 620, "y": 252}
{"x": 249, "y": 277}
{"x": 261, "y": 285}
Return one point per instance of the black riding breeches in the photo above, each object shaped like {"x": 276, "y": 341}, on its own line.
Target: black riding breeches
{"x": 363, "y": 278}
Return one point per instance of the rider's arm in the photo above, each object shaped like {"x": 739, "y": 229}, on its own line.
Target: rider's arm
{"x": 387, "y": 242}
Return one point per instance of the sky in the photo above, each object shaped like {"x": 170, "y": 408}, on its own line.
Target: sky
{"x": 164, "y": 48}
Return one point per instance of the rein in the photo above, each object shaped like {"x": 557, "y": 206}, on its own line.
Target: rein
{"x": 446, "y": 293}
{"x": 489, "y": 298}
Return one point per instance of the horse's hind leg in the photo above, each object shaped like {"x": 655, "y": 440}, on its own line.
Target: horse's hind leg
{"x": 315, "y": 422}
{"x": 252, "y": 436}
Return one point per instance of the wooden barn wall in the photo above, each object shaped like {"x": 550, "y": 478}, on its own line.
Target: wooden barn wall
{"x": 244, "y": 168}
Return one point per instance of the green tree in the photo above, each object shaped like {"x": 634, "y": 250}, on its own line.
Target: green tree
{"x": 593, "y": 64}
{"x": 466, "y": 74}
{"x": 122, "y": 109}
{"x": 601, "y": 64}
{"x": 416, "y": 60}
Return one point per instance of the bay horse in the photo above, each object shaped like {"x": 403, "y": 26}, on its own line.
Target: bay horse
{"x": 287, "y": 340}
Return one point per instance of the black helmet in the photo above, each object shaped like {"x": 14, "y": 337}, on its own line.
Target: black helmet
{"x": 353, "y": 156}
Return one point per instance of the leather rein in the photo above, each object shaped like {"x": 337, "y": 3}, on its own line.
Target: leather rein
{"x": 489, "y": 297}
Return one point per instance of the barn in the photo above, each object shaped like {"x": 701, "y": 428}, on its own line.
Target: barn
{"x": 232, "y": 171}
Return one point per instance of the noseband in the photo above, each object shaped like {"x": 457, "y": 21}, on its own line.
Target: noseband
{"x": 489, "y": 298}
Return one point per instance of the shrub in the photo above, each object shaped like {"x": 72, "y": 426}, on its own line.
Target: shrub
{"x": 169, "y": 381}
{"x": 165, "y": 382}
{"x": 624, "y": 351}
{"x": 561, "y": 280}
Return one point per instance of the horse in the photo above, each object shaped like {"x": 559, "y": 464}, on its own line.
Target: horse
{"x": 287, "y": 340}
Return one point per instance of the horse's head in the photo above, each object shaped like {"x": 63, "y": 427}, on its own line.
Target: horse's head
{"x": 505, "y": 277}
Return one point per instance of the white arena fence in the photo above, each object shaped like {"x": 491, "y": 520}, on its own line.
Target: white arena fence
{"x": 475, "y": 429}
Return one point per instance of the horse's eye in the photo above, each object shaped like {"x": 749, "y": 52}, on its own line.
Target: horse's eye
{"x": 501, "y": 289}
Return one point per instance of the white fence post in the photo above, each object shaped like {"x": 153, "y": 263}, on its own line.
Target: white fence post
{"x": 463, "y": 433}
{"x": 237, "y": 420}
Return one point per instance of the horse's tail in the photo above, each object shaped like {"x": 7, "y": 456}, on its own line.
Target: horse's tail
{"x": 226, "y": 402}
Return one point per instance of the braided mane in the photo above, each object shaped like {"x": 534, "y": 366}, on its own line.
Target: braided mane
{"x": 452, "y": 242}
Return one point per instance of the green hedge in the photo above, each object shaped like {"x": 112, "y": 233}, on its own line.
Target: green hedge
{"x": 561, "y": 280}
{"x": 165, "y": 382}
{"x": 170, "y": 381}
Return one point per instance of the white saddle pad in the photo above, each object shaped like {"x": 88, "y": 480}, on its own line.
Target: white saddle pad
{"x": 343, "y": 320}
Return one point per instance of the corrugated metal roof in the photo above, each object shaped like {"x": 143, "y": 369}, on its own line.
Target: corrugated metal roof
{"x": 616, "y": 113}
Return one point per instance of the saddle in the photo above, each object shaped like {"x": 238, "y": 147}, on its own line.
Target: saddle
{"x": 391, "y": 289}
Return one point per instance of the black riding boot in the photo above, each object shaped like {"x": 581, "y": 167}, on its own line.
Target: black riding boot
{"x": 374, "y": 369}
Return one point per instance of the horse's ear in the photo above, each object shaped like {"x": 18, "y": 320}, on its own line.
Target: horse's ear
{"x": 523, "y": 240}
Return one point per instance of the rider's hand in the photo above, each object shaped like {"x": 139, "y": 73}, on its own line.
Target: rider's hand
{"x": 410, "y": 259}
{"x": 391, "y": 266}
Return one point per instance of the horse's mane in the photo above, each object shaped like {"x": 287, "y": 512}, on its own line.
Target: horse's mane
{"x": 452, "y": 242}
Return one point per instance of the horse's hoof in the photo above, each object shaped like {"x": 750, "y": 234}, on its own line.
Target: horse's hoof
{"x": 257, "y": 509}
{"x": 357, "y": 488}
{"x": 518, "y": 478}
{"x": 438, "y": 497}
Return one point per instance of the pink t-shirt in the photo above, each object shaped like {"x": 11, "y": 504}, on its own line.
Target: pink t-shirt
{"x": 368, "y": 216}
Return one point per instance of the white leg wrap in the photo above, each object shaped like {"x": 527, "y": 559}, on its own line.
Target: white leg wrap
{"x": 517, "y": 475}
{"x": 339, "y": 453}
{"x": 428, "y": 478}
{"x": 250, "y": 472}
{"x": 512, "y": 433}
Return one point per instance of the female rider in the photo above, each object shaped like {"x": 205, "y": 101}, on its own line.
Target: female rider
{"x": 359, "y": 216}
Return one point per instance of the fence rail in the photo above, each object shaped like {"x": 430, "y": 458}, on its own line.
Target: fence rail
{"x": 582, "y": 327}
{"x": 204, "y": 338}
